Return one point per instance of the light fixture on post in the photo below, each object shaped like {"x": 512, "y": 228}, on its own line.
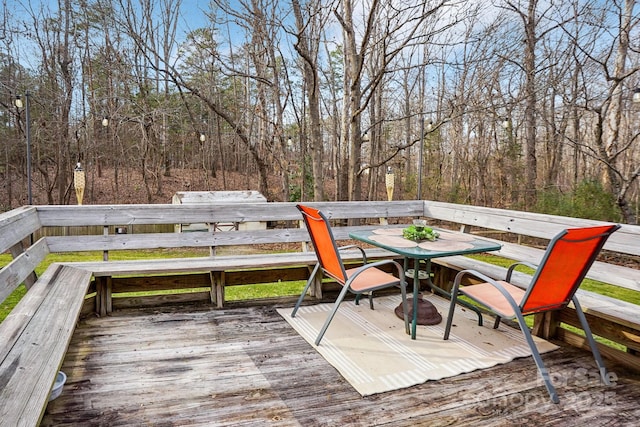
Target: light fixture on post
{"x": 27, "y": 108}
{"x": 636, "y": 95}
{"x": 389, "y": 181}
{"x": 79, "y": 182}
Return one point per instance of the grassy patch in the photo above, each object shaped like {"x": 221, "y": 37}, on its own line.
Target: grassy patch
{"x": 265, "y": 290}
{"x": 11, "y": 301}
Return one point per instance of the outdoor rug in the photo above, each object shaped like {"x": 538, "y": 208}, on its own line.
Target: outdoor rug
{"x": 373, "y": 353}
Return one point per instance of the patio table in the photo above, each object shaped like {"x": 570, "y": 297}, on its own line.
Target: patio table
{"x": 448, "y": 244}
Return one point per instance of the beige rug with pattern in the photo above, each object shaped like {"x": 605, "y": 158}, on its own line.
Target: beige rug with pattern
{"x": 372, "y": 352}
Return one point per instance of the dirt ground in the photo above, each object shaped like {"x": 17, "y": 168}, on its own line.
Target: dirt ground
{"x": 130, "y": 187}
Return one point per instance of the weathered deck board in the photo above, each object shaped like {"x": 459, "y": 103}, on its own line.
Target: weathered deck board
{"x": 246, "y": 366}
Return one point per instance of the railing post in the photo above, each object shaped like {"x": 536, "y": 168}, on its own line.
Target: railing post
{"x": 105, "y": 253}
{"x": 16, "y": 250}
{"x": 545, "y": 324}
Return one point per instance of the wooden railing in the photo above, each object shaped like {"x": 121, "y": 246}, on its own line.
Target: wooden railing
{"x": 23, "y": 233}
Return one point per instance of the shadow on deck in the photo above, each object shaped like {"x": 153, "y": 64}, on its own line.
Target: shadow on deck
{"x": 246, "y": 366}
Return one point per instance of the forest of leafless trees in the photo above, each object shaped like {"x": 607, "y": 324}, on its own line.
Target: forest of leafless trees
{"x": 503, "y": 103}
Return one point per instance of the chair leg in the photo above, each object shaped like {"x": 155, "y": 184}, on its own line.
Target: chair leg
{"x": 405, "y": 309}
{"x": 592, "y": 342}
{"x": 537, "y": 358}
{"x": 452, "y": 307}
{"x": 306, "y": 288}
{"x": 344, "y": 291}
{"x": 497, "y": 322}
{"x": 358, "y": 296}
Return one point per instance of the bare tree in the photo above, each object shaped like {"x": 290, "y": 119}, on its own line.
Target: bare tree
{"x": 268, "y": 63}
{"x": 401, "y": 27}
{"x": 498, "y": 86}
{"x": 309, "y": 26}
{"x": 52, "y": 33}
{"x": 530, "y": 17}
{"x": 621, "y": 171}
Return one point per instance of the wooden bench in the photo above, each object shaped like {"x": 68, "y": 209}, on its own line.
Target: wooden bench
{"x": 219, "y": 271}
{"x": 35, "y": 335}
{"x": 34, "y": 340}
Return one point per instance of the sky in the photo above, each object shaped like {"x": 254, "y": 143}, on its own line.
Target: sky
{"x": 17, "y": 15}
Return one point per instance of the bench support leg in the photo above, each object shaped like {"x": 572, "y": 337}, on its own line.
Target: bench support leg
{"x": 315, "y": 290}
{"x": 217, "y": 288}
{"x": 545, "y": 324}
{"x": 103, "y": 296}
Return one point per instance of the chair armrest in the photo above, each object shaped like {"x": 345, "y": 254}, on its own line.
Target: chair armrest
{"x": 364, "y": 255}
{"x": 513, "y": 266}
{"x": 474, "y": 273}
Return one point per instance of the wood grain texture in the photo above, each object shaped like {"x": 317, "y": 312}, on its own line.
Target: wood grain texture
{"x": 30, "y": 361}
{"x": 17, "y": 224}
{"x": 244, "y": 366}
{"x": 87, "y": 215}
{"x": 21, "y": 268}
{"x": 544, "y": 226}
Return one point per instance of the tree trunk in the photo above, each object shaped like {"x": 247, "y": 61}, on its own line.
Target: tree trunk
{"x": 307, "y": 47}
{"x": 531, "y": 164}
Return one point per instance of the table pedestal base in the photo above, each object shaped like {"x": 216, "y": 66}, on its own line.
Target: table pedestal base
{"x": 427, "y": 312}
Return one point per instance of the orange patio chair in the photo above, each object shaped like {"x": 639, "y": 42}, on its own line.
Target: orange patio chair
{"x": 565, "y": 263}
{"x": 359, "y": 281}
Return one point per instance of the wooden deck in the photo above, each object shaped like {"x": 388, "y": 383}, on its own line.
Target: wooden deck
{"x": 244, "y": 365}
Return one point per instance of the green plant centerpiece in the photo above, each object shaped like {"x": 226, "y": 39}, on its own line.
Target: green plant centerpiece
{"x": 419, "y": 232}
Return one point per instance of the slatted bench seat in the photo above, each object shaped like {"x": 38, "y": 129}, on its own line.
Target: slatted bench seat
{"x": 34, "y": 339}
{"x": 214, "y": 263}
{"x": 217, "y": 265}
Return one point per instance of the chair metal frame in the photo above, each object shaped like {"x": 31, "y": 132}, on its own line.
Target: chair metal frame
{"x": 360, "y": 281}
{"x": 543, "y": 294}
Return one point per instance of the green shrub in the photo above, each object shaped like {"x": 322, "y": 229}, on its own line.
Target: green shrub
{"x": 410, "y": 187}
{"x": 295, "y": 193}
{"x": 589, "y": 200}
